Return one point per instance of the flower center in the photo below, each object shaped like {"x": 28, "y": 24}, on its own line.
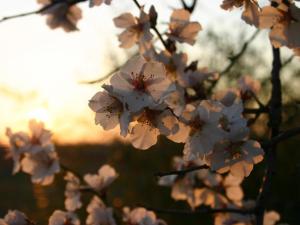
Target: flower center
{"x": 138, "y": 81}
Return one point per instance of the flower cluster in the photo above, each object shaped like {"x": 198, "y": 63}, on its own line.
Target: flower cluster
{"x": 281, "y": 17}
{"x": 34, "y": 153}
{"x": 204, "y": 188}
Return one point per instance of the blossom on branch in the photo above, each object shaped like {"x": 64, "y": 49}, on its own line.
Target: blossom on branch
{"x": 141, "y": 216}
{"x": 106, "y": 175}
{"x": 141, "y": 83}
{"x": 72, "y": 192}
{"x": 61, "y": 14}
{"x": 63, "y": 218}
{"x": 251, "y": 9}
{"x": 98, "y": 213}
{"x": 34, "y": 153}
{"x": 15, "y": 217}
{"x": 181, "y": 29}
{"x": 283, "y": 18}
{"x": 137, "y": 30}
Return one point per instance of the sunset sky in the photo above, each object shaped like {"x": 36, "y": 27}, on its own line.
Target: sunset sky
{"x": 41, "y": 69}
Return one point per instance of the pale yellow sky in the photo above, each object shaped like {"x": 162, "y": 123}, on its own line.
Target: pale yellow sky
{"x": 41, "y": 68}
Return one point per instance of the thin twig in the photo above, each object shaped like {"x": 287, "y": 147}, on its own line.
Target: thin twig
{"x": 102, "y": 78}
{"x": 41, "y": 10}
{"x": 187, "y": 7}
{"x": 234, "y": 59}
{"x": 181, "y": 172}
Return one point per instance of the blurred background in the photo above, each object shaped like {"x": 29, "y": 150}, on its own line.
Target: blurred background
{"x": 43, "y": 74}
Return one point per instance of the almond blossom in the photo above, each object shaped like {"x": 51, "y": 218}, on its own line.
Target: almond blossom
{"x": 61, "y": 14}
{"x": 41, "y": 165}
{"x": 181, "y": 29}
{"x": 63, "y": 218}
{"x": 141, "y": 83}
{"x": 15, "y": 217}
{"x": 93, "y": 3}
{"x": 205, "y": 130}
{"x": 72, "y": 192}
{"x": 28, "y": 149}
{"x": 251, "y": 9}
{"x": 106, "y": 175}
{"x": 149, "y": 124}
{"x": 19, "y": 144}
{"x": 141, "y": 216}
{"x": 197, "y": 187}
{"x": 98, "y": 213}
{"x": 137, "y": 30}
{"x": 110, "y": 110}
{"x": 282, "y": 17}
{"x": 236, "y": 154}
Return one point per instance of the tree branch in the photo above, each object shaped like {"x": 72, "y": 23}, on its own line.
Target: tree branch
{"x": 274, "y": 124}
{"x": 181, "y": 172}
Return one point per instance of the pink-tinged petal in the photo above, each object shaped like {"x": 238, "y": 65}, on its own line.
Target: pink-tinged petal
{"x": 179, "y": 17}
{"x": 127, "y": 38}
{"x": 143, "y": 136}
{"x": 278, "y": 35}
{"x": 167, "y": 123}
{"x": 125, "y": 20}
{"x": 241, "y": 169}
{"x": 251, "y": 13}
{"x": 189, "y": 32}
{"x": 156, "y": 80}
{"x": 235, "y": 193}
{"x": 107, "y": 108}
{"x": 269, "y": 16}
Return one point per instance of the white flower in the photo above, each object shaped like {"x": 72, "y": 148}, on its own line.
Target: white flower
{"x": 141, "y": 216}
{"x": 62, "y": 15}
{"x": 41, "y": 165}
{"x": 176, "y": 100}
{"x": 251, "y": 9}
{"x": 63, "y": 218}
{"x": 72, "y": 192}
{"x": 175, "y": 63}
{"x": 150, "y": 124}
{"x": 93, "y": 3}
{"x": 19, "y": 144}
{"x": 106, "y": 175}
{"x": 140, "y": 83}
{"x": 137, "y": 30}
{"x": 283, "y": 20}
{"x": 194, "y": 77}
{"x": 236, "y": 156}
{"x": 181, "y": 29}
{"x": 110, "y": 111}
{"x": 232, "y": 120}
{"x": 205, "y": 130}
{"x": 15, "y": 217}
{"x": 99, "y": 214}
